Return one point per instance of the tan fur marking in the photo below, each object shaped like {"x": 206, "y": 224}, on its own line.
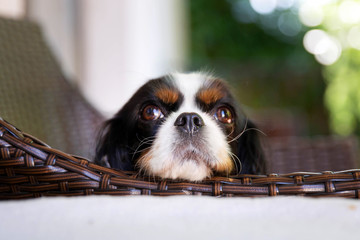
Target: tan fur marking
{"x": 167, "y": 95}
{"x": 210, "y": 95}
{"x": 226, "y": 165}
{"x": 143, "y": 161}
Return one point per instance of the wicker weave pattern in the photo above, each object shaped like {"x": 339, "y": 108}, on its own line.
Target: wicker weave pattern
{"x": 30, "y": 168}
{"x": 295, "y": 154}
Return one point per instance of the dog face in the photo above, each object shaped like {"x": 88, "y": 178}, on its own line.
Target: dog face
{"x": 182, "y": 126}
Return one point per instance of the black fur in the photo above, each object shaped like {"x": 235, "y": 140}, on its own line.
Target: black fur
{"x": 248, "y": 149}
{"x": 119, "y": 141}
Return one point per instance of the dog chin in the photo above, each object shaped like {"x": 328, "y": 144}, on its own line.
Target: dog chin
{"x": 184, "y": 162}
{"x": 186, "y": 169}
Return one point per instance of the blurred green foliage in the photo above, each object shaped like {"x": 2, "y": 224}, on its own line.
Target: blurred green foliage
{"x": 267, "y": 70}
{"x": 343, "y": 93}
{"x": 342, "y": 96}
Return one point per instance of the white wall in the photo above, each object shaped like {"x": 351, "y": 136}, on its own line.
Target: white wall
{"x": 111, "y": 47}
{"x": 12, "y": 8}
{"x": 58, "y": 21}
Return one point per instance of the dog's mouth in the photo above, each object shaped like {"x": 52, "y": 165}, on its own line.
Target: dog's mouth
{"x": 192, "y": 151}
{"x": 189, "y": 160}
{"x": 192, "y": 155}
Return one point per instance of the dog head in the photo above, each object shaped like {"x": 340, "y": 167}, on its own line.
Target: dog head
{"x": 182, "y": 126}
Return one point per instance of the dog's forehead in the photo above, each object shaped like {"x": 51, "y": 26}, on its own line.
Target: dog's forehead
{"x": 189, "y": 90}
{"x": 189, "y": 84}
{"x": 200, "y": 87}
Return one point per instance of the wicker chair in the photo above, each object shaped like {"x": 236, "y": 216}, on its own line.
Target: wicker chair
{"x": 35, "y": 97}
{"x": 30, "y": 168}
{"x": 294, "y": 154}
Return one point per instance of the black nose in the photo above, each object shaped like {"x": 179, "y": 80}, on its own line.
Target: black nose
{"x": 189, "y": 123}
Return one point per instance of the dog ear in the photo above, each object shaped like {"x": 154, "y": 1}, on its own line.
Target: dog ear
{"x": 250, "y": 152}
{"x": 118, "y": 138}
{"x": 112, "y": 148}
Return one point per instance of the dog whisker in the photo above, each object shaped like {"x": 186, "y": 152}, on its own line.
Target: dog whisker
{"x": 142, "y": 150}
{"x": 241, "y": 133}
{"x": 231, "y": 132}
{"x": 258, "y": 130}
{"x": 147, "y": 140}
{"x": 236, "y": 159}
{"x": 246, "y": 130}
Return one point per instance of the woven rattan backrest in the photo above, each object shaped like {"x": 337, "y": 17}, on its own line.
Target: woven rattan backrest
{"x": 294, "y": 154}
{"x": 29, "y": 168}
{"x": 35, "y": 96}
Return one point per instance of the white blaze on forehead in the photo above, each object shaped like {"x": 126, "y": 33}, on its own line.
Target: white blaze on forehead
{"x": 189, "y": 85}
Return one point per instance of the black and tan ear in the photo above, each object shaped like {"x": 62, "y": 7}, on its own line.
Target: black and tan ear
{"x": 250, "y": 152}
{"x": 112, "y": 148}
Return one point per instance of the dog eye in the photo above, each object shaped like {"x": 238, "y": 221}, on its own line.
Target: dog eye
{"x": 224, "y": 115}
{"x": 151, "y": 113}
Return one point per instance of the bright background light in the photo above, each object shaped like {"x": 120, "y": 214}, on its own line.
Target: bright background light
{"x": 285, "y": 4}
{"x": 339, "y": 19}
{"x": 311, "y": 14}
{"x": 331, "y": 52}
{"x": 354, "y": 37}
{"x": 263, "y": 6}
{"x": 316, "y": 41}
{"x": 349, "y": 12}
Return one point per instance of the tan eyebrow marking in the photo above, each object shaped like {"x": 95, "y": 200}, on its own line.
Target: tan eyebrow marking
{"x": 210, "y": 95}
{"x": 167, "y": 95}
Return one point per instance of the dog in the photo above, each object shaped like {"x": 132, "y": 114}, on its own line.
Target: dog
{"x": 181, "y": 126}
